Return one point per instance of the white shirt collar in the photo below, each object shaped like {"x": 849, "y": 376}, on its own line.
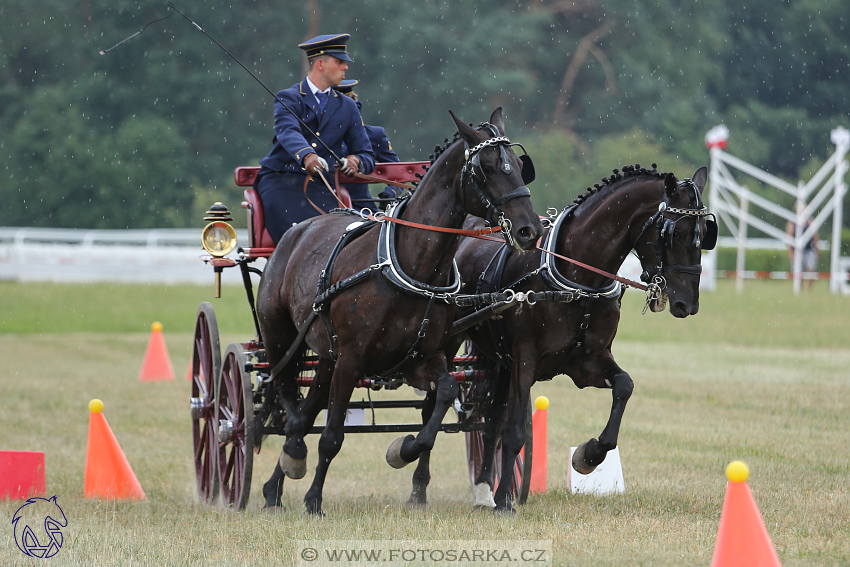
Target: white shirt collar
{"x": 314, "y": 89}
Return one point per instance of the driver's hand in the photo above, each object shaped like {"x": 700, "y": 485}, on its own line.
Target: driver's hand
{"x": 314, "y": 164}
{"x": 349, "y": 165}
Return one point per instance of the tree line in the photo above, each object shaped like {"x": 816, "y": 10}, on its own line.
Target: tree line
{"x": 148, "y": 134}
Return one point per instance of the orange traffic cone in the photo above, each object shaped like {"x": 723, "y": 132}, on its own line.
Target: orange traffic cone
{"x": 156, "y": 364}
{"x": 108, "y": 474}
{"x": 539, "y": 465}
{"x": 189, "y": 374}
{"x": 742, "y": 538}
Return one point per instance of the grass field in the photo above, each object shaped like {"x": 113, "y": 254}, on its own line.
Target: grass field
{"x": 761, "y": 376}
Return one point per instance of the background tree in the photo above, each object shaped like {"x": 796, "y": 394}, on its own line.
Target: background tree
{"x": 146, "y": 134}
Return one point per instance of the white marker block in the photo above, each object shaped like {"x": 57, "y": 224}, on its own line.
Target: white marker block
{"x": 356, "y": 416}
{"x": 606, "y": 479}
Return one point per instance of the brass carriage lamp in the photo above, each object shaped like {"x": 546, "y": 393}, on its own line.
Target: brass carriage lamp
{"x": 219, "y": 239}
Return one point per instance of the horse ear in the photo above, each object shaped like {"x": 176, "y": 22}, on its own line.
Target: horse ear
{"x": 465, "y": 130}
{"x": 700, "y": 177}
{"x": 670, "y": 184}
{"x": 497, "y": 120}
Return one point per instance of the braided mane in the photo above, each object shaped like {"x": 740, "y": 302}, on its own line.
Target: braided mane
{"x": 438, "y": 151}
{"x": 628, "y": 171}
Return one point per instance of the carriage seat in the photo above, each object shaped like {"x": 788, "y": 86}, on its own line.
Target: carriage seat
{"x": 258, "y": 236}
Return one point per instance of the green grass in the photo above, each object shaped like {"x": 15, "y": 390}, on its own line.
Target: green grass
{"x": 760, "y": 377}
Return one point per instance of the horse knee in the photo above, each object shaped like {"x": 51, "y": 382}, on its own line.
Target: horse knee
{"x": 623, "y": 386}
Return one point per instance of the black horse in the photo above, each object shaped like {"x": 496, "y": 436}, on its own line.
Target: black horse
{"x": 384, "y": 313}
{"x": 567, "y": 324}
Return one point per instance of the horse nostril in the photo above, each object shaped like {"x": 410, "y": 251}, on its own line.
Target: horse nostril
{"x": 525, "y": 233}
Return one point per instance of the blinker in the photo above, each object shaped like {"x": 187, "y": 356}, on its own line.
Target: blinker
{"x": 527, "y": 168}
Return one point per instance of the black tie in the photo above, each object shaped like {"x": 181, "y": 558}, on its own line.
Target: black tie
{"x": 323, "y": 98}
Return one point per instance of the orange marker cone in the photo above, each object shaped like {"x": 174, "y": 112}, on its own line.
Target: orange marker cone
{"x": 156, "y": 364}
{"x": 189, "y": 375}
{"x": 108, "y": 474}
{"x": 539, "y": 464}
{"x": 742, "y": 538}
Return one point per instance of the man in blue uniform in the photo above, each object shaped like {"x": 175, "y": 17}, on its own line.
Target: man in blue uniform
{"x": 381, "y": 148}
{"x": 297, "y": 152}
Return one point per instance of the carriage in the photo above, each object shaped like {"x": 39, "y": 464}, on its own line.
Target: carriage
{"x": 233, "y": 407}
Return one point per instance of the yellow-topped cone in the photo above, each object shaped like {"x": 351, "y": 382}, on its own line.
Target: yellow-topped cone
{"x": 156, "y": 365}
{"x": 742, "y": 539}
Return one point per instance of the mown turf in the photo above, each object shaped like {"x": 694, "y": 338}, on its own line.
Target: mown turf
{"x": 760, "y": 377}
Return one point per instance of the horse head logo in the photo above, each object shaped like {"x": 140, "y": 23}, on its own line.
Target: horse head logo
{"x": 38, "y": 527}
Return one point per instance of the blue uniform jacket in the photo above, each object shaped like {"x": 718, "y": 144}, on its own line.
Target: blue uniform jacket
{"x": 339, "y": 126}
{"x": 384, "y": 153}
{"x": 381, "y": 145}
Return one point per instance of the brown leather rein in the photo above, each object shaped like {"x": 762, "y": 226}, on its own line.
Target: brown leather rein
{"x": 481, "y": 233}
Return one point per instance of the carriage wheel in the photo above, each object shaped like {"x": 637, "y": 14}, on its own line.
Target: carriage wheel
{"x": 206, "y": 364}
{"x": 522, "y": 464}
{"x": 235, "y": 416}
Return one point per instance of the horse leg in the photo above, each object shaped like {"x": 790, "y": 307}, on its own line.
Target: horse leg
{"x": 422, "y": 474}
{"x": 405, "y": 450}
{"x": 494, "y": 424}
{"x": 273, "y": 490}
{"x": 590, "y": 454}
{"x": 316, "y": 401}
{"x": 345, "y": 377}
{"x": 293, "y": 457}
{"x": 513, "y": 437}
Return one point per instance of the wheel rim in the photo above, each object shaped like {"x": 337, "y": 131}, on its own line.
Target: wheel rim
{"x": 235, "y": 406}
{"x": 205, "y": 364}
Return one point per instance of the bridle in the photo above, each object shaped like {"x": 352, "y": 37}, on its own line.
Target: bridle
{"x": 665, "y": 228}
{"x": 474, "y": 173}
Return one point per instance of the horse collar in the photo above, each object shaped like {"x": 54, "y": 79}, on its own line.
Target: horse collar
{"x": 392, "y": 270}
{"x": 555, "y": 279}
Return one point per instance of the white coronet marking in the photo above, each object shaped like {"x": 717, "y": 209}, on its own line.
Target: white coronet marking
{"x": 483, "y": 496}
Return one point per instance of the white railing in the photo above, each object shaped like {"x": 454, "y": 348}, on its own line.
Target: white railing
{"x": 85, "y": 256}
{"x": 818, "y": 199}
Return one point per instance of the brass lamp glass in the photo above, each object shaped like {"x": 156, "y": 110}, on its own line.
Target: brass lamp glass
{"x": 219, "y": 238}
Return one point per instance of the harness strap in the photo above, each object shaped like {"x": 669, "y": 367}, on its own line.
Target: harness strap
{"x": 374, "y": 179}
{"x": 380, "y": 217}
{"x": 521, "y": 191}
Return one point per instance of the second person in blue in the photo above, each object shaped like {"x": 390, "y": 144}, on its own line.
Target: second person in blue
{"x": 297, "y": 152}
{"x": 381, "y": 147}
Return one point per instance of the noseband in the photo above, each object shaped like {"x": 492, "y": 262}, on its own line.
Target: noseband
{"x": 472, "y": 171}
{"x": 664, "y": 238}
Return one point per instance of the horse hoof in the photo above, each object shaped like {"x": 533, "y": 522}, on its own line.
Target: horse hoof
{"x": 272, "y": 509}
{"x": 483, "y": 497}
{"x": 292, "y": 468}
{"x": 579, "y": 463}
{"x": 394, "y": 458}
{"x": 504, "y": 511}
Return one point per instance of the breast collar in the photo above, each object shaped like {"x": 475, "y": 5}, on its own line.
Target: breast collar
{"x": 392, "y": 270}
{"x": 555, "y": 279}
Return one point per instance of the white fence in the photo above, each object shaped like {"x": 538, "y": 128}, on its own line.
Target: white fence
{"x": 818, "y": 198}
{"x": 86, "y": 256}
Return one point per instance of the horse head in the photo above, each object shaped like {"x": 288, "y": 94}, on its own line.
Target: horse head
{"x": 494, "y": 179}
{"x": 672, "y": 242}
